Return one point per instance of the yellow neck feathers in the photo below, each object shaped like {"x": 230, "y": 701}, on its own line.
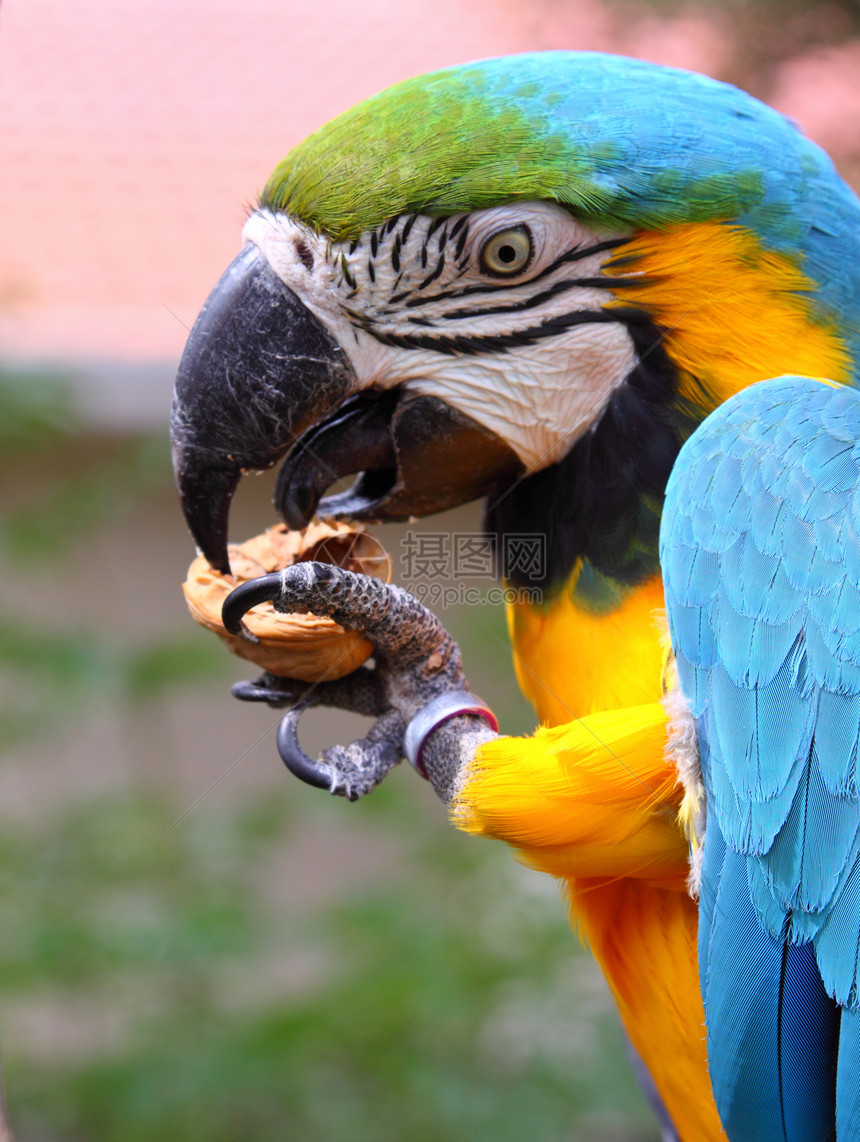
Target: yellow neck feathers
{"x": 733, "y": 312}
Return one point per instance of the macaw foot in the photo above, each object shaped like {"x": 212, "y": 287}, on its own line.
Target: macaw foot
{"x": 359, "y": 692}
{"x": 416, "y": 691}
{"x": 350, "y": 771}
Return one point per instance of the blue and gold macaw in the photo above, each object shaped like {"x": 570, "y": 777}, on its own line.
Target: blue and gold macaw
{"x": 558, "y": 280}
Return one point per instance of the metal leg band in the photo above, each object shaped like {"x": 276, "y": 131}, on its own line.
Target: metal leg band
{"x": 440, "y": 710}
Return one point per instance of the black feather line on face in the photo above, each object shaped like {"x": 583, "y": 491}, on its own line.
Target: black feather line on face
{"x": 431, "y": 277}
{"x": 458, "y": 250}
{"x": 539, "y": 298}
{"x": 602, "y": 502}
{"x": 458, "y": 226}
{"x": 466, "y": 345}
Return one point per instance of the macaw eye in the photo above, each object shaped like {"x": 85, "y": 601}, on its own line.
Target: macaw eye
{"x": 507, "y": 252}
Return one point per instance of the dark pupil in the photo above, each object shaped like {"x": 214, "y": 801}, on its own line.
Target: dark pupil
{"x": 507, "y": 254}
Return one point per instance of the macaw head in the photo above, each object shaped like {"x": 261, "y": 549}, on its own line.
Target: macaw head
{"x": 526, "y": 278}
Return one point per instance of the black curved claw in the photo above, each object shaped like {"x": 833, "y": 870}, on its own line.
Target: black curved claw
{"x": 271, "y": 588}
{"x": 315, "y": 773}
{"x": 269, "y": 688}
{"x": 350, "y": 771}
{"x": 263, "y": 589}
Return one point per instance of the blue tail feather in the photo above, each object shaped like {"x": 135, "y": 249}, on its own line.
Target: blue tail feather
{"x": 808, "y": 1031}
{"x": 768, "y": 1016}
{"x": 741, "y": 1011}
{"x": 847, "y": 1084}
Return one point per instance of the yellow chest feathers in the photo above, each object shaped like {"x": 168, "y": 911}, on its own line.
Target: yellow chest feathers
{"x": 570, "y": 663}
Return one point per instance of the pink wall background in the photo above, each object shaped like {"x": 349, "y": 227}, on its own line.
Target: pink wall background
{"x": 133, "y": 133}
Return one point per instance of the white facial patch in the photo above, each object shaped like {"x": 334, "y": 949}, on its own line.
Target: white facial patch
{"x": 538, "y": 398}
{"x": 299, "y": 256}
{"x": 415, "y": 303}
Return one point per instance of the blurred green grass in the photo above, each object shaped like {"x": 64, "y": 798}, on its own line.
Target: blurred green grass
{"x": 444, "y": 1002}
{"x": 191, "y": 975}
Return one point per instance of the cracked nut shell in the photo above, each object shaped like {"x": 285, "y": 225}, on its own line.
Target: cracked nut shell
{"x": 301, "y": 646}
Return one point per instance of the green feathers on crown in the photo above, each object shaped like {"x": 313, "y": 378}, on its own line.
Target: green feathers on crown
{"x": 438, "y": 144}
{"x": 553, "y": 126}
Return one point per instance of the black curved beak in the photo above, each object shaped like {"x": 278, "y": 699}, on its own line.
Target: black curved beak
{"x": 414, "y": 455}
{"x": 258, "y": 369}
{"x": 261, "y": 378}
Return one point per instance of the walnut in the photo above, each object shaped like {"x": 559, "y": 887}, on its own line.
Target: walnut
{"x": 301, "y": 646}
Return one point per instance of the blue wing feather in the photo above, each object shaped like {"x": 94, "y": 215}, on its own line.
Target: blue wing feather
{"x": 837, "y": 734}
{"x": 836, "y": 943}
{"x": 765, "y": 619}
{"x": 797, "y": 875}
